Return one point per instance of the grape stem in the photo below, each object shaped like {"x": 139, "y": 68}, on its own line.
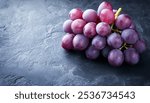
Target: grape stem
{"x": 116, "y": 15}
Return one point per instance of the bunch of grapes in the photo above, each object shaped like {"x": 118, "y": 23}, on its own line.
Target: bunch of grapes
{"x": 106, "y": 32}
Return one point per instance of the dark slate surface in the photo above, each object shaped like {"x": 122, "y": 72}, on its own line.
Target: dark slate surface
{"x": 30, "y": 52}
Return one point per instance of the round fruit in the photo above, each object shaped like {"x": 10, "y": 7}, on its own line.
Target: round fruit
{"x": 123, "y": 21}
{"x": 130, "y": 36}
{"x": 107, "y": 16}
{"x": 75, "y": 14}
{"x": 67, "y": 41}
{"x": 92, "y": 53}
{"x": 115, "y": 57}
{"x": 80, "y": 42}
{"x": 67, "y": 26}
{"x": 99, "y": 42}
{"x": 90, "y": 29}
{"x": 103, "y": 29}
{"x": 90, "y": 15}
{"x": 77, "y": 26}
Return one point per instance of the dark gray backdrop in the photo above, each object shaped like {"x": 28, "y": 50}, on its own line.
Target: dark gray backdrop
{"x": 30, "y": 52}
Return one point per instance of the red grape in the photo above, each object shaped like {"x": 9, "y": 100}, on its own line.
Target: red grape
{"x": 130, "y": 36}
{"x": 115, "y": 57}
{"x": 80, "y": 42}
{"x": 114, "y": 40}
{"x": 99, "y": 42}
{"x": 75, "y": 14}
{"x": 123, "y": 21}
{"x": 103, "y": 29}
{"x": 92, "y": 53}
{"x": 67, "y": 41}
{"x": 77, "y": 26}
{"x": 90, "y": 29}
{"x": 90, "y": 15}
{"x": 104, "y": 5}
{"x": 140, "y": 46}
{"x": 131, "y": 56}
{"x": 107, "y": 16}
{"x": 67, "y": 26}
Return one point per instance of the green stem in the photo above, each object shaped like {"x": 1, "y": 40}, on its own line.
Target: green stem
{"x": 116, "y": 15}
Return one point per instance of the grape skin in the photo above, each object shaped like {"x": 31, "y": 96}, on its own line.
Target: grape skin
{"x": 75, "y": 13}
{"x": 104, "y": 5}
{"x": 92, "y": 53}
{"x": 67, "y": 41}
{"x": 80, "y": 42}
{"x": 114, "y": 40}
{"x": 67, "y": 26}
{"x": 140, "y": 46}
{"x": 115, "y": 57}
{"x": 90, "y": 29}
{"x": 107, "y": 16}
{"x": 90, "y": 15}
{"x": 99, "y": 42}
{"x": 106, "y": 51}
{"x": 103, "y": 29}
{"x": 130, "y": 36}
{"x": 77, "y": 26}
{"x": 131, "y": 56}
{"x": 123, "y": 21}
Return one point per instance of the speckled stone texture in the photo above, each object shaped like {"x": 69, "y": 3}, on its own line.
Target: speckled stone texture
{"x": 30, "y": 51}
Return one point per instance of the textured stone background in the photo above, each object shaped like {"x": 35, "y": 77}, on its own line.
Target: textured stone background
{"x": 30, "y": 52}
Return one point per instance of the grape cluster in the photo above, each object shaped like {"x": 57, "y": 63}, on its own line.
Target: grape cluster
{"x": 105, "y": 32}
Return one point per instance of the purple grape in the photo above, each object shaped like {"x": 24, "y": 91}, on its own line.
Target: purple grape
{"x": 131, "y": 56}
{"x": 99, "y": 42}
{"x": 75, "y": 14}
{"x": 140, "y": 46}
{"x": 92, "y": 53}
{"x": 77, "y": 26}
{"x": 67, "y": 41}
{"x": 80, "y": 42}
{"x": 90, "y": 29}
{"x": 115, "y": 57}
{"x": 103, "y": 29}
{"x": 114, "y": 40}
{"x": 123, "y": 21}
{"x": 90, "y": 15}
{"x": 104, "y": 5}
{"x": 130, "y": 36}
{"x": 106, "y": 51}
{"x": 132, "y": 26}
{"x": 67, "y": 26}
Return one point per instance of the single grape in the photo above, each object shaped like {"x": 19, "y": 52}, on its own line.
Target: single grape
{"x": 75, "y": 13}
{"x": 115, "y": 57}
{"x": 107, "y": 16}
{"x": 140, "y": 46}
{"x": 123, "y": 21}
{"x": 99, "y": 42}
{"x": 132, "y": 26}
{"x": 90, "y": 15}
{"x": 104, "y": 5}
{"x": 114, "y": 40}
{"x": 130, "y": 36}
{"x": 90, "y": 29}
{"x": 106, "y": 51}
{"x": 67, "y": 26}
{"x": 131, "y": 56}
{"x": 103, "y": 29}
{"x": 80, "y": 42}
{"x": 92, "y": 53}
{"x": 67, "y": 41}
{"x": 77, "y": 26}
